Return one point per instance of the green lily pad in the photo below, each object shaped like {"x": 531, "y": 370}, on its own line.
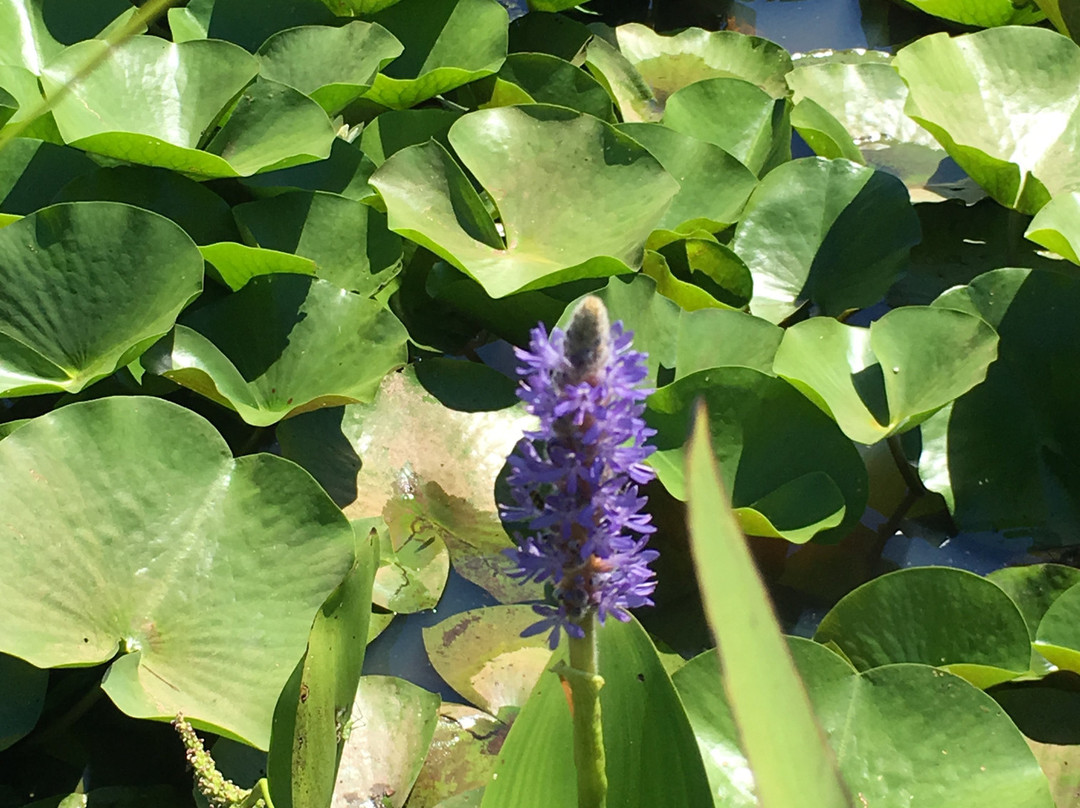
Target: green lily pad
{"x": 739, "y": 117}
{"x": 394, "y": 129}
{"x": 938, "y": 616}
{"x": 531, "y": 160}
{"x": 713, "y": 338}
{"x": 986, "y": 14}
{"x": 23, "y": 86}
{"x": 699, "y": 273}
{"x": 713, "y": 185}
{"x": 235, "y": 264}
{"x": 540, "y": 78}
{"x": 448, "y": 43}
{"x": 1057, "y": 226}
{"x": 461, "y": 757}
{"x": 887, "y": 379}
{"x": 1064, "y": 14}
{"x": 8, "y": 106}
{"x": 866, "y": 100}
{"x": 116, "y": 111}
{"x": 24, "y": 696}
{"x": 1057, "y": 638}
{"x": 1034, "y": 588}
{"x": 1061, "y": 764}
{"x": 333, "y": 66}
{"x": 32, "y": 31}
{"x": 392, "y": 724}
{"x": 791, "y": 471}
{"x": 282, "y": 345}
{"x": 668, "y": 63}
{"x": 652, "y": 758}
{"x": 632, "y": 95}
{"x": 204, "y": 215}
{"x": 234, "y": 21}
{"x": 830, "y": 231}
{"x": 344, "y": 172}
{"x": 1019, "y": 146}
{"x": 1000, "y": 455}
{"x": 482, "y": 655}
{"x": 192, "y": 558}
{"x": 959, "y": 742}
{"x": 791, "y": 761}
{"x": 413, "y": 563}
{"x": 348, "y": 241}
{"x": 33, "y": 173}
{"x": 408, "y": 455}
{"x": 87, "y": 287}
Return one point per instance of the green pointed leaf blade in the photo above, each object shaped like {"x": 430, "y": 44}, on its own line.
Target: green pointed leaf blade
{"x": 1057, "y": 226}
{"x": 767, "y": 436}
{"x": 307, "y": 737}
{"x": 281, "y": 345}
{"x": 447, "y": 43}
{"x": 334, "y": 66}
{"x": 935, "y": 616}
{"x": 1018, "y": 146}
{"x": 810, "y": 222}
{"x": 203, "y": 595}
{"x": 651, "y": 754}
{"x": 87, "y": 286}
{"x": 565, "y": 156}
{"x": 791, "y": 761}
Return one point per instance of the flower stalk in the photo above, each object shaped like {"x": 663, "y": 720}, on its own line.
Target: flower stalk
{"x": 575, "y": 485}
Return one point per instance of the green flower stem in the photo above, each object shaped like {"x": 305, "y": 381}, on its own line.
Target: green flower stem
{"x": 585, "y": 683}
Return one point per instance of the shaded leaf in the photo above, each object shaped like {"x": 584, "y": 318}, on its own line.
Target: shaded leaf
{"x": 85, "y": 287}
{"x": 1034, "y": 588}
{"x": 24, "y": 696}
{"x": 283, "y": 344}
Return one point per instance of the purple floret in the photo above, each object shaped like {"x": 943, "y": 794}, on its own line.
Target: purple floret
{"x": 575, "y": 479}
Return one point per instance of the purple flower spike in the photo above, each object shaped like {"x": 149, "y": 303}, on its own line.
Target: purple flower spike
{"x": 575, "y": 479}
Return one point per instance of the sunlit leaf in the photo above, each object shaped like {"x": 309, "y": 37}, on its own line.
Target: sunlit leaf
{"x": 1057, "y": 226}
{"x": 195, "y": 558}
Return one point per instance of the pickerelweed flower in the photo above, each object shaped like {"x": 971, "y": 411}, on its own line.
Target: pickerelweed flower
{"x": 575, "y": 479}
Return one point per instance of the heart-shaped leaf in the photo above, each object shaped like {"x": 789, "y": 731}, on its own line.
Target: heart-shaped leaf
{"x": 448, "y": 43}
{"x": 890, "y": 377}
{"x": 150, "y": 539}
{"x": 349, "y": 242}
{"x": 1000, "y": 454}
{"x": 333, "y": 66}
{"x": 115, "y": 110}
{"x": 428, "y": 465}
{"x": 939, "y": 616}
{"x": 958, "y": 742}
{"x": 739, "y": 117}
{"x": 652, "y": 758}
{"x": 830, "y": 231}
{"x": 482, "y": 655}
{"x": 1018, "y": 146}
{"x": 790, "y": 470}
{"x": 281, "y": 345}
{"x": 865, "y": 98}
{"x": 1057, "y": 226}
{"x": 531, "y": 160}
{"x": 86, "y": 288}
{"x": 713, "y": 185}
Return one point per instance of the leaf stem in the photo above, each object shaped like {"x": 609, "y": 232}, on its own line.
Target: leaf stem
{"x": 585, "y": 683}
